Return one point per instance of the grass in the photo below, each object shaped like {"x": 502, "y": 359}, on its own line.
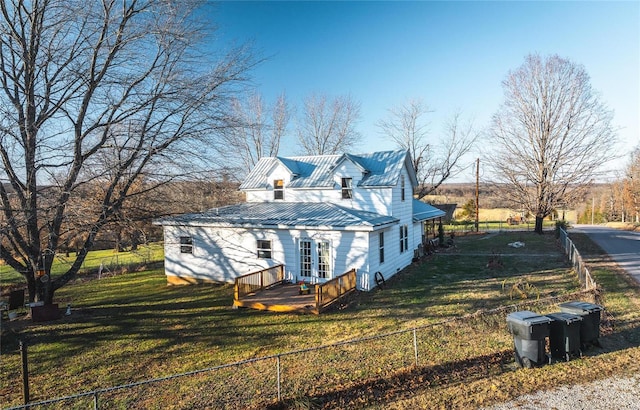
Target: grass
{"x": 619, "y": 356}
{"x": 134, "y": 327}
{"x": 108, "y": 258}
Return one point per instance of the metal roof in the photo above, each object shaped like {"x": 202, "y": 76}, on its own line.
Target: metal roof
{"x": 380, "y": 169}
{"x": 425, "y": 212}
{"x": 283, "y": 215}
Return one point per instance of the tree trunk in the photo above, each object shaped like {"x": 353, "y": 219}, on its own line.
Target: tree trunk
{"x": 539, "y": 221}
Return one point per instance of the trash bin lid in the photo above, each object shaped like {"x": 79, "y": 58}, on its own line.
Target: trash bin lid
{"x": 566, "y": 317}
{"x": 584, "y": 307}
{"x": 527, "y": 317}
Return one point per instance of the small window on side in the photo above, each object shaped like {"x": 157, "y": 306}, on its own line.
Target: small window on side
{"x": 186, "y": 244}
{"x": 264, "y": 249}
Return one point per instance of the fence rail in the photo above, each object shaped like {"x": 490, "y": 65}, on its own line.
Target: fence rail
{"x": 317, "y": 371}
{"x": 314, "y": 371}
{"x": 586, "y": 280}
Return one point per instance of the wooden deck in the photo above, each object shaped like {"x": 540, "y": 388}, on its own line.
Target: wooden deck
{"x": 280, "y": 298}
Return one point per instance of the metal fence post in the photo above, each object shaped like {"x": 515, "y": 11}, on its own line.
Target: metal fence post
{"x": 278, "y": 377}
{"x": 95, "y": 400}
{"x": 25, "y": 372}
{"x": 415, "y": 346}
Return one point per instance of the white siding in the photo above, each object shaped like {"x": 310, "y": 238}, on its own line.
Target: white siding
{"x": 378, "y": 200}
{"x": 403, "y": 210}
{"x": 222, "y": 254}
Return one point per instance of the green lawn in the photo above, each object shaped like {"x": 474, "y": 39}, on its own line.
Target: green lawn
{"x": 108, "y": 258}
{"x": 134, "y": 327}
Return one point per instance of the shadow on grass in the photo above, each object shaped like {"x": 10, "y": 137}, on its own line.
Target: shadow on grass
{"x": 405, "y": 383}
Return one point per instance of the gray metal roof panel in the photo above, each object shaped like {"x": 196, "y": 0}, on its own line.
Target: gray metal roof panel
{"x": 425, "y": 212}
{"x": 282, "y": 215}
{"x": 257, "y": 176}
{"x": 381, "y": 169}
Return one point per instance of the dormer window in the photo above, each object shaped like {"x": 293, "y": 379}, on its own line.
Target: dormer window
{"x": 278, "y": 189}
{"x": 347, "y": 191}
{"x": 402, "y": 188}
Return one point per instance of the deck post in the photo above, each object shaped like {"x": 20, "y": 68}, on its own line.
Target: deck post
{"x": 318, "y": 297}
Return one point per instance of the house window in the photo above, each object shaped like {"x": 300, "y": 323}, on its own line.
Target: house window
{"x": 404, "y": 238}
{"x": 402, "y": 188}
{"x": 381, "y": 246}
{"x": 278, "y": 189}
{"x": 264, "y": 249}
{"x": 305, "y": 258}
{"x": 347, "y": 191}
{"x": 186, "y": 244}
{"x": 324, "y": 260}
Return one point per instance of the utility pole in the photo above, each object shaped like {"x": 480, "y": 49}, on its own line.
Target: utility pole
{"x": 478, "y": 195}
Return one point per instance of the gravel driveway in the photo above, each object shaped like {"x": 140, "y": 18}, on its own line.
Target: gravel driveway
{"x": 613, "y": 393}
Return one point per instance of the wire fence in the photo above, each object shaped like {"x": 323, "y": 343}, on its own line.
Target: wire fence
{"x": 580, "y": 267}
{"x": 319, "y": 371}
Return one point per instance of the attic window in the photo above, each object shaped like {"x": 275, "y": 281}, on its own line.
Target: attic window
{"x": 278, "y": 189}
{"x": 347, "y": 190}
{"x": 402, "y": 188}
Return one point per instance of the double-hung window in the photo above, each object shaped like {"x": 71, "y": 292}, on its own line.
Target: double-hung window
{"x": 278, "y": 189}
{"x": 347, "y": 190}
{"x": 381, "y": 246}
{"x": 404, "y": 238}
{"x": 264, "y": 249}
{"x": 186, "y": 244}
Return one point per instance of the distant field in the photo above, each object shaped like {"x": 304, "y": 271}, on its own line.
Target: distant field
{"x": 501, "y": 214}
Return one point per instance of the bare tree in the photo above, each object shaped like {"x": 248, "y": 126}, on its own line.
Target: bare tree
{"x": 631, "y": 187}
{"x": 255, "y": 133}
{"x": 549, "y": 136}
{"x": 328, "y": 127}
{"x": 102, "y": 93}
{"x": 434, "y": 162}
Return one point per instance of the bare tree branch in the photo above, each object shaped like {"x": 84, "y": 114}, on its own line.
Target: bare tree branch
{"x": 328, "y": 127}
{"x": 433, "y": 162}
{"x": 113, "y": 91}
{"x": 550, "y": 135}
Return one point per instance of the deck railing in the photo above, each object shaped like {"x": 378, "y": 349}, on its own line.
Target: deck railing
{"x": 255, "y": 281}
{"x": 331, "y": 291}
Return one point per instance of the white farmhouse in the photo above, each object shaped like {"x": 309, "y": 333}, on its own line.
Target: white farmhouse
{"x": 319, "y": 216}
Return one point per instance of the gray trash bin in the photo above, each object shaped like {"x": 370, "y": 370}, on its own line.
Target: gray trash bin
{"x": 529, "y": 331}
{"x": 564, "y": 335}
{"x": 590, "y": 325}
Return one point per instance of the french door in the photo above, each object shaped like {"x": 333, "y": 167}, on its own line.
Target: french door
{"x": 315, "y": 264}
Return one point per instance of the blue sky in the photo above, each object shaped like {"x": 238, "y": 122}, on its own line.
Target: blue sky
{"x": 452, "y": 55}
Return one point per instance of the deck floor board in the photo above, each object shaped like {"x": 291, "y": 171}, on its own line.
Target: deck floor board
{"x": 280, "y": 298}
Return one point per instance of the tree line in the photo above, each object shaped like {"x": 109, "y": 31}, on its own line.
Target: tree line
{"x": 110, "y": 109}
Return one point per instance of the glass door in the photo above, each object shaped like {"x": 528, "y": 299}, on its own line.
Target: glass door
{"x": 324, "y": 260}
{"x": 306, "y": 265}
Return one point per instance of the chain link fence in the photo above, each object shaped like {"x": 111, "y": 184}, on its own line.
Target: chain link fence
{"x": 322, "y": 371}
{"x": 580, "y": 267}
